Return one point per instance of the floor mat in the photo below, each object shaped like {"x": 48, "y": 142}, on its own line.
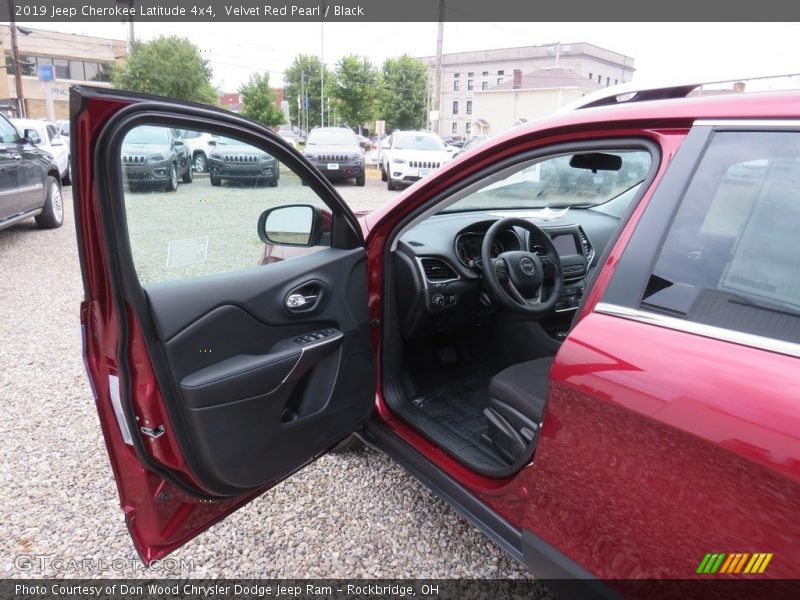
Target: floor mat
{"x": 459, "y": 406}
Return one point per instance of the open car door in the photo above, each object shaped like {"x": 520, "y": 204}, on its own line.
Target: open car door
{"x": 219, "y": 366}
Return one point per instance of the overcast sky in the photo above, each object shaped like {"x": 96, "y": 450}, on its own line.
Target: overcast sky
{"x": 662, "y": 51}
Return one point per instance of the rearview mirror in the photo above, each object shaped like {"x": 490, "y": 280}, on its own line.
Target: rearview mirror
{"x": 596, "y": 161}
{"x": 385, "y": 145}
{"x": 291, "y": 225}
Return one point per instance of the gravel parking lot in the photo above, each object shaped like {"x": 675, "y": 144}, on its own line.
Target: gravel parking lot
{"x": 351, "y": 515}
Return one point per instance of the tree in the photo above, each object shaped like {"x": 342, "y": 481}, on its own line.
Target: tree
{"x": 304, "y": 73}
{"x": 356, "y": 90}
{"x": 403, "y": 93}
{"x": 168, "y": 66}
{"x": 259, "y": 101}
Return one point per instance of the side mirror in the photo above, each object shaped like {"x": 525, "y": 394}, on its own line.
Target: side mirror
{"x": 385, "y": 145}
{"x": 57, "y": 142}
{"x": 291, "y": 225}
{"x": 32, "y": 136}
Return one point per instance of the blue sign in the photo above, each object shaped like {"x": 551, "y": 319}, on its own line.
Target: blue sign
{"x": 308, "y": 103}
{"x": 46, "y": 73}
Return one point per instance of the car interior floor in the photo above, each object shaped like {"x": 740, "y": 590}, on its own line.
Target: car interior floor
{"x": 444, "y": 388}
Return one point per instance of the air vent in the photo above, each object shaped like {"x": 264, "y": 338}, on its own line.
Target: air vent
{"x": 588, "y": 251}
{"x": 537, "y": 247}
{"x": 416, "y": 244}
{"x": 437, "y": 270}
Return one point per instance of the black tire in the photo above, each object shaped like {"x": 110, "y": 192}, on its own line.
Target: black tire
{"x": 215, "y": 181}
{"x": 273, "y": 182}
{"x": 361, "y": 180}
{"x": 390, "y": 184}
{"x": 67, "y": 178}
{"x": 52, "y": 216}
{"x": 383, "y": 173}
{"x": 188, "y": 176}
{"x": 200, "y": 162}
{"x": 172, "y": 184}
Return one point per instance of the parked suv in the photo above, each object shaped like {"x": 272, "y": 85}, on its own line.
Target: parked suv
{"x": 408, "y": 156}
{"x": 336, "y": 152}
{"x": 156, "y": 156}
{"x": 233, "y": 160}
{"x": 30, "y": 182}
{"x": 201, "y": 144}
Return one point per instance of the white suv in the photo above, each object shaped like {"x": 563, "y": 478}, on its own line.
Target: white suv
{"x": 200, "y": 147}
{"x": 408, "y": 156}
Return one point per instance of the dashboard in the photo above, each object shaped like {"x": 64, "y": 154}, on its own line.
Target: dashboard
{"x": 437, "y": 264}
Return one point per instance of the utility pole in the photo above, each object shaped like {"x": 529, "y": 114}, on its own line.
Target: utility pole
{"x": 437, "y": 81}
{"x": 322, "y": 70}
{"x": 131, "y": 36}
{"x": 17, "y": 67}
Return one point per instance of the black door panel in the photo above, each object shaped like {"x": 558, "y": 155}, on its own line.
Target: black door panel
{"x": 258, "y": 439}
{"x": 254, "y": 378}
{"x": 262, "y": 293}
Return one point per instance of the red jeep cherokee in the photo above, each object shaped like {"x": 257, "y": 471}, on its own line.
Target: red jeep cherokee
{"x": 584, "y": 334}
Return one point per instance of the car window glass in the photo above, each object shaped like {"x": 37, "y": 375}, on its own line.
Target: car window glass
{"x": 583, "y": 180}
{"x": 8, "y": 134}
{"x": 51, "y": 133}
{"x": 730, "y": 256}
{"x": 183, "y": 223}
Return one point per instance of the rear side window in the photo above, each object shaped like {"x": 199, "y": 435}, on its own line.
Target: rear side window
{"x": 730, "y": 258}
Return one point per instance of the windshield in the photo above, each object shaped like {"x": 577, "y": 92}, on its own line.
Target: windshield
{"x": 410, "y": 141}
{"x": 147, "y": 135}
{"x": 573, "y": 180}
{"x": 331, "y": 138}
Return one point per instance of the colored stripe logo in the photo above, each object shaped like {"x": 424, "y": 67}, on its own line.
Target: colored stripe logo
{"x": 734, "y": 562}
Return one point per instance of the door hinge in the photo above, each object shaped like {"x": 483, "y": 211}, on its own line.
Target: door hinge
{"x": 153, "y": 433}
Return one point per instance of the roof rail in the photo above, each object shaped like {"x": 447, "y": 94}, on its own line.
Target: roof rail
{"x": 634, "y": 92}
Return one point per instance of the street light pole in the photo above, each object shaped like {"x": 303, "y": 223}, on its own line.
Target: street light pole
{"x": 15, "y": 58}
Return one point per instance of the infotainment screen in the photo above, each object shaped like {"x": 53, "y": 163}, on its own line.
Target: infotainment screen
{"x": 565, "y": 244}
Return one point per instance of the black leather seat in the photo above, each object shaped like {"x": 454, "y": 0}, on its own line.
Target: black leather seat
{"x": 516, "y": 406}
{"x": 523, "y": 387}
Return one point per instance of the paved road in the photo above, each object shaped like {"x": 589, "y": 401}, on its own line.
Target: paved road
{"x": 352, "y": 515}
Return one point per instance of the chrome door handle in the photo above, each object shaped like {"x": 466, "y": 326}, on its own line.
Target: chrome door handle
{"x": 298, "y": 301}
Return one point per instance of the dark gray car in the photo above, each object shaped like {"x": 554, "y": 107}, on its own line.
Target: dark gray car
{"x": 336, "y": 152}
{"x": 156, "y": 156}
{"x": 30, "y": 185}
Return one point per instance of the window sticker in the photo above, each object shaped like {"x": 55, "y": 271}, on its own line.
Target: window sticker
{"x": 190, "y": 251}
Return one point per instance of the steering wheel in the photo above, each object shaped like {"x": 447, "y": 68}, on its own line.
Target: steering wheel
{"x": 518, "y": 279}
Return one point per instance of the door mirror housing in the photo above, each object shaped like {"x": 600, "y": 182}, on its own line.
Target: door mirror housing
{"x": 31, "y": 136}
{"x": 57, "y": 142}
{"x": 385, "y": 145}
{"x": 291, "y": 225}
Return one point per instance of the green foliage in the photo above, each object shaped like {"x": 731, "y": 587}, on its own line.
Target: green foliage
{"x": 402, "y": 99}
{"x": 167, "y": 66}
{"x": 259, "y": 101}
{"x": 311, "y": 68}
{"x": 356, "y": 90}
